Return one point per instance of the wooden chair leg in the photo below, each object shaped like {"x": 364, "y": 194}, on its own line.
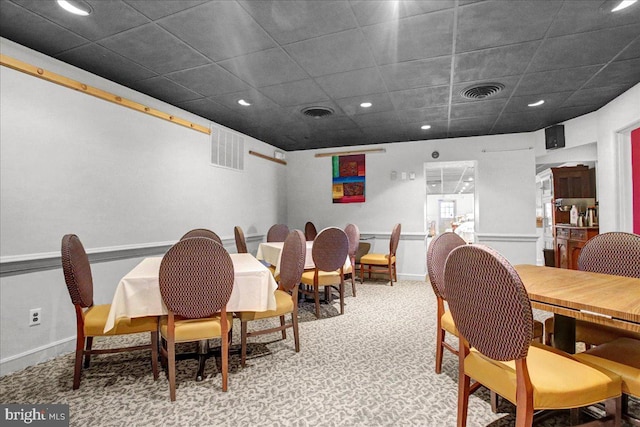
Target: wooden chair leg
{"x": 87, "y": 357}
{"x": 77, "y": 369}
{"x": 284, "y": 330}
{"x": 225, "y": 361}
{"x": 296, "y": 335}
{"x": 243, "y": 343}
{"x": 353, "y": 282}
{"x": 171, "y": 356}
{"x": 494, "y": 401}
{"x": 439, "y": 349}
{"x": 316, "y": 297}
{"x": 613, "y": 408}
{"x": 154, "y": 354}
{"x": 342, "y": 297}
{"x": 464, "y": 384}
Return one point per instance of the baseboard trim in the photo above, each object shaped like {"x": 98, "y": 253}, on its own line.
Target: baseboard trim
{"x": 36, "y": 355}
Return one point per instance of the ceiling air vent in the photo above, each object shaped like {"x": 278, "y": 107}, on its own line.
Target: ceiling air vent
{"x": 482, "y": 91}
{"x": 317, "y": 112}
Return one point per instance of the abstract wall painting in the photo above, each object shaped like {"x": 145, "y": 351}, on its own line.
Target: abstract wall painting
{"x": 348, "y": 178}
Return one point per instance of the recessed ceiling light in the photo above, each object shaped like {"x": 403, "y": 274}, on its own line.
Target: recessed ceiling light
{"x": 243, "y": 103}
{"x": 425, "y": 127}
{"x": 75, "y": 7}
{"x": 536, "y": 104}
{"x": 623, "y": 5}
{"x": 366, "y": 104}
{"x": 470, "y": 179}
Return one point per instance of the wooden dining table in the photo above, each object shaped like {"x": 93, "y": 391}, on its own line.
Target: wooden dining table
{"x": 572, "y": 294}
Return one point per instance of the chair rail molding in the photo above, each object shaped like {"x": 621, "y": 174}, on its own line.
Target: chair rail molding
{"x": 505, "y": 237}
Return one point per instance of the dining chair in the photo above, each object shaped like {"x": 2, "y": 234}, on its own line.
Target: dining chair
{"x": 353, "y": 234}
{"x": 291, "y": 268}
{"x": 241, "y": 243}
{"x": 383, "y": 263}
{"x": 202, "y": 232}
{"x": 439, "y": 249}
{"x": 277, "y": 233}
{"x": 329, "y": 252}
{"x": 91, "y": 318}
{"x": 616, "y": 253}
{"x": 310, "y": 231}
{"x": 196, "y": 279}
{"x": 492, "y": 311}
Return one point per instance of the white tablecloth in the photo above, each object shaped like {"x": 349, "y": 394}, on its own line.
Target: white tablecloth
{"x": 138, "y": 293}
{"x": 271, "y": 252}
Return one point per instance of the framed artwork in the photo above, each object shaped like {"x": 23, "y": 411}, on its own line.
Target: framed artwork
{"x": 348, "y": 178}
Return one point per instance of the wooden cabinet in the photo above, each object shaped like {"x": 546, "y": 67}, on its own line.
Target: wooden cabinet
{"x": 569, "y": 242}
{"x": 572, "y": 182}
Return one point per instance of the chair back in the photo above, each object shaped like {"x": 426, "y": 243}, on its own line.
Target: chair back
{"x": 437, "y": 253}
{"x": 310, "y": 231}
{"x": 277, "y": 233}
{"x": 612, "y": 253}
{"x": 488, "y": 302}
{"x": 241, "y": 243}
{"x": 294, "y": 252}
{"x": 77, "y": 271}
{"x": 353, "y": 234}
{"x": 202, "y": 232}
{"x": 330, "y": 249}
{"x": 395, "y": 238}
{"x": 196, "y": 278}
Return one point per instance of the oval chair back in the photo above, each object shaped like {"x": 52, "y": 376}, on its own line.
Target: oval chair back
{"x": 330, "y": 249}
{"x": 615, "y": 253}
{"x": 202, "y": 232}
{"x": 293, "y": 257}
{"x": 310, "y": 231}
{"x": 241, "y": 243}
{"x": 277, "y": 233}
{"x": 437, "y": 253}
{"x": 77, "y": 271}
{"x": 395, "y": 239}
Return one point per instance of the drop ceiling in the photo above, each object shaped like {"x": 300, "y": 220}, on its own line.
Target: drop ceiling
{"x": 410, "y": 59}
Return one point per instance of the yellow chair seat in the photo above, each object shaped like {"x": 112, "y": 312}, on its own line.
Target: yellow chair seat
{"x": 324, "y": 277}
{"x": 377, "y": 259}
{"x": 96, "y": 317}
{"x": 195, "y": 329}
{"x": 448, "y": 324}
{"x": 284, "y": 305}
{"x": 622, "y": 357}
{"x": 559, "y": 381}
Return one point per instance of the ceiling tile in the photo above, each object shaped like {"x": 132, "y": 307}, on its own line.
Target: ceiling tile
{"x": 43, "y": 35}
{"x": 156, "y": 9}
{"x": 351, "y": 106}
{"x": 495, "y": 23}
{"x": 219, "y": 29}
{"x": 105, "y": 63}
{"x": 106, "y": 19}
{"x": 480, "y": 125}
{"x": 551, "y": 101}
{"x": 577, "y": 16}
{"x": 154, "y": 48}
{"x": 406, "y": 39}
{"x": 532, "y": 117}
{"x": 627, "y": 71}
{"x": 258, "y": 101}
{"x": 566, "y": 113}
{"x": 438, "y": 129}
{"x": 295, "y": 93}
{"x": 290, "y": 21}
{"x": 265, "y": 68}
{"x": 493, "y": 63}
{"x": 596, "y": 47}
{"x": 352, "y": 83}
{"x": 598, "y": 95}
{"x": 378, "y": 134}
{"x": 206, "y": 108}
{"x": 420, "y": 73}
{"x": 479, "y": 108}
{"x": 209, "y": 80}
{"x": 165, "y": 90}
{"x": 330, "y": 54}
{"x": 631, "y": 51}
{"x": 420, "y": 97}
{"x": 384, "y": 118}
{"x": 369, "y": 12}
{"x": 555, "y": 80}
{"x": 424, "y": 115}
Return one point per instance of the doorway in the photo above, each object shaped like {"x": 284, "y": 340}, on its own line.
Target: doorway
{"x": 450, "y": 188}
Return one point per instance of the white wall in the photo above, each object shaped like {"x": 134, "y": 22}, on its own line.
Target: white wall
{"x": 505, "y": 193}
{"x": 72, "y": 163}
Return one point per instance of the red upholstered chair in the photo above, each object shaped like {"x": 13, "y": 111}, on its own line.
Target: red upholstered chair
{"x": 492, "y": 312}
{"x": 277, "y": 233}
{"x": 291, "y": 268}
{"x": 310, "y": 231}
{"x": 196, "y": 280}
{"x": 383, "y": 263}
{"x": 615, "y": 253}
{"x": 241, "y": 243}
{"x": 202, "y": 232}
{"x": 437, "y": 254}
{"x": 330, "y": 249}
{"x": 353, "y": 234}
{"x": 90, "y": 318}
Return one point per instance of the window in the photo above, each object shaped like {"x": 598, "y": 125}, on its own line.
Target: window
{"x": 447, "y": 208}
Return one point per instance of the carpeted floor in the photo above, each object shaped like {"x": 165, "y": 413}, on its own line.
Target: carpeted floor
{"x": 372, "y": 366}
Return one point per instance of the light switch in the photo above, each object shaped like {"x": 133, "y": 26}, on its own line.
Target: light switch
{"x": 404, "y": 176}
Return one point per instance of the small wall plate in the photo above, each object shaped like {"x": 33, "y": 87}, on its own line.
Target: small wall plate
{"x": 435, "y": 154}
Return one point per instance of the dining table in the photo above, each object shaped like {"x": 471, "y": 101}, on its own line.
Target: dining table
{"x": 271, "y": 252}
{"x": 573, "y": 294}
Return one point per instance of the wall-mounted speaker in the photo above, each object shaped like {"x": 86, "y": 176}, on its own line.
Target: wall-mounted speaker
{"x": 554, "y": 137}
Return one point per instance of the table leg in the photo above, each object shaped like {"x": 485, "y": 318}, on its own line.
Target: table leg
{"x": 564, "y": 333}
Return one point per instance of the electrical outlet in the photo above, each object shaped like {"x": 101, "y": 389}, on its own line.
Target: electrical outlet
{"x": 35, "y": 315}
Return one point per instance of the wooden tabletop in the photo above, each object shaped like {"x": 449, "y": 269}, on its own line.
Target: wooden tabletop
{"x": 600, "y": 298}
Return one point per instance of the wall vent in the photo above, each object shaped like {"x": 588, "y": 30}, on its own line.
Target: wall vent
{"x": 227, "y": 149}
{"x": 482, "y": 91}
